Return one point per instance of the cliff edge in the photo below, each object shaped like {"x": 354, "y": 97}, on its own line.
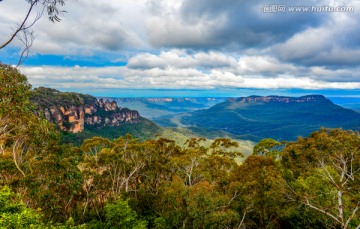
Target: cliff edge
{"x": 72, "y": 112}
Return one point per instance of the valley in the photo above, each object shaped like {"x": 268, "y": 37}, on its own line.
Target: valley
{"x": 251, "y": 118}
{"x": 78, "y": 161}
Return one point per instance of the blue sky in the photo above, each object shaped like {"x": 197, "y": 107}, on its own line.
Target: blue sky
{"x": 151, "y": 48}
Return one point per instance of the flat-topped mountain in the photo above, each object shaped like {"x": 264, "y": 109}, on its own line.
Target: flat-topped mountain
{"x": 279, "y": 117}
{"x": 279, "y": 99}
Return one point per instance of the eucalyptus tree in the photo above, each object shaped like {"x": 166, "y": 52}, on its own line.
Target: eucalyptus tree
{"x": 323, "y": 174}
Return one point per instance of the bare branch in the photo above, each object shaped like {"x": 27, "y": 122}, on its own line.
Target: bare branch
{"x": 16, "y": 150}
{"x": 242, "y": 220}
{"x": 38, "y": 16}
{"x": 307, "y": 203}
{"x": 233, "y": 198}
{"x": 247, "y": 209}
{"x": 327, "y": 175}
{"x": 27, "y": 36}
{"x": 21, "y": 27}
{"x": 27, "y": 39}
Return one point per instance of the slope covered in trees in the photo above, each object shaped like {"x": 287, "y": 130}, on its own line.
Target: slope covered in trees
{"x": 313, "y": 182}
{"x": 81, "y": 116}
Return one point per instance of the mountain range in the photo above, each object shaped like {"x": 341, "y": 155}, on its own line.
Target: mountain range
{"x": 81, "y": 116}
{"x": 159, "y": 108}
{"x": 251, "y": 118}
{"x": 278, "y": 117}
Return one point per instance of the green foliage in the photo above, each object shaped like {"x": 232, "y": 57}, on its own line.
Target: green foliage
{"x": 300, "y": 216}
{"x": 23, "y": 135}
{"x": 268, "y": 147}
{"x": 14, "y": 93}
{"x": 261, "y": 188}
{"x": 14, "y": 213}
{"x": 120, "y": 215}
{"x": 323, "y": 173}
{"x": 143, "y": 130}
{"x": 225, "y": 147}
{"x": 47, "y": 97}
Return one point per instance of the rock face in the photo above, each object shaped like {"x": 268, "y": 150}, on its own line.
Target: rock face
{"x": 72, "y": 112}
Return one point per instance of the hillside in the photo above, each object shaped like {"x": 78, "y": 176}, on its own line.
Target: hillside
{"x": 282, "y": 118}
{"x": 82, "y": 116}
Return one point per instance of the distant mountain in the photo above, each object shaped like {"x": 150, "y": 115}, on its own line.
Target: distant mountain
{"x": 157, "y": 109}
{"x": 81, "y": 116}
{"x": 278, "y": 117}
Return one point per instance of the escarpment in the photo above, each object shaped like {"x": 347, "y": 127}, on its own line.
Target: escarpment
{"x": 72, "y": 112}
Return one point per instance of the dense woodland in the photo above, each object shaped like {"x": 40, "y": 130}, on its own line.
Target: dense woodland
{"x": 313, "y": 182}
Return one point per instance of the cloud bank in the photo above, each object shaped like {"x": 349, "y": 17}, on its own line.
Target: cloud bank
{"x": 195, "y": 44}
{"x": 178, "y": 70}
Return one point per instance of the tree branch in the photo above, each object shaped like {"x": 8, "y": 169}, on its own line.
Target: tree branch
{"x": 327, "y": 175}
{"x": 21, "y": 27}
{"x": 307, "y": 203}
{"x": 15, "y": 148}
{"x": 352, "y": 216}
{"x": 27, "y": 40}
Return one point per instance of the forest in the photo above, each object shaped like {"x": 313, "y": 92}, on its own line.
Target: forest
{"x": 313, "y": 182}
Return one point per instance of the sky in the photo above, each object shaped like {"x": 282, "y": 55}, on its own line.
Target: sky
{"x": 160, "y": 48}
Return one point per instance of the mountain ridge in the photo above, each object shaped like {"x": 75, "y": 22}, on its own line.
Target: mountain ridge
{"x": 280, "y": 99}
{"x": 160, "y": 108}
{"x": 279, "y": 117}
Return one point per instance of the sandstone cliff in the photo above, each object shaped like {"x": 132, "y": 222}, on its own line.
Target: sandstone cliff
{"x": 73, "y": 111}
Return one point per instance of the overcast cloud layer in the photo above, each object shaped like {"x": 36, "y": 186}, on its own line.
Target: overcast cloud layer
{"x": 184, "y": 44}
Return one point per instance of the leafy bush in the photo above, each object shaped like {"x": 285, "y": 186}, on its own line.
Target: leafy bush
{"x": 14, "y": 213}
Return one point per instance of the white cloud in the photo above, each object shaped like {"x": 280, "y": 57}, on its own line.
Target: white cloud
{"x": 87, "y": 27}
{"x": 177, "y": 70}
{"x": 186, "y": 44}
{"x": 180, "y": 59}
{"x": 332, "y": 43}
{"x": 263, "y": 64}
{"x": 307, "y": 43}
